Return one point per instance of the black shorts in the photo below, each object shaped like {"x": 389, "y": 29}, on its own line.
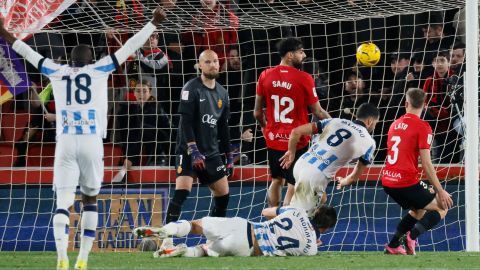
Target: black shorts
{"x": 276, "y": 170}
{"x": 214, "y": 168}
{"x": 413, "y": 197}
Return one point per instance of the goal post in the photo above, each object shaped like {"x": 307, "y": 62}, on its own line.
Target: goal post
{"x": 471, "y": 120}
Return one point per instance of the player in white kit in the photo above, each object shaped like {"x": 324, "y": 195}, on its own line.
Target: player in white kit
{"x": 289, "y": 232}
{"x": 340, "y": 141}
{"x": 80, "y": 91}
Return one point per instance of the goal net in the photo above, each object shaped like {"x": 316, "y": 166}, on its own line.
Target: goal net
{"x": 418, "y": 40}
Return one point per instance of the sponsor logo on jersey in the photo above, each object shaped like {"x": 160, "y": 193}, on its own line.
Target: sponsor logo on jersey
{"x": 209, "y": 119}
{"x": 79, "y": 123}
{"x": 219, "y": 103}
{"x": 392, "y": 175}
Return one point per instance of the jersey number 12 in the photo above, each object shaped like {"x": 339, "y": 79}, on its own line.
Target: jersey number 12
{"x": 281, "y": 116}
{"x": 83, "y": 95}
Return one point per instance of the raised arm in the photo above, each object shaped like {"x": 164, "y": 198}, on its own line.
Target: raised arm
{"x": 19, "y": 46}
{"x": 137, "y": 41}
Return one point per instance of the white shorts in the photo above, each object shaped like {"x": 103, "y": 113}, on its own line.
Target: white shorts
{"x": 227, "y": 236}
{"x": 78, "y": 162}
{"x": 310, "y": 183}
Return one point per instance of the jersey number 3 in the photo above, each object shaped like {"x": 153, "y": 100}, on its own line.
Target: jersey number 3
{"x": 287, "y": 103}
{"x": 396, "y": 141}
{"x": 83, "y": 95}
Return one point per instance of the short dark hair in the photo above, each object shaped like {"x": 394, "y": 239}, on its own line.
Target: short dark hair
{"x": 324, "y": 217}
{"x": 367, "y": 110}
{"x": 445, "y": 54}
{"x": 290, "y": 44}
{"x": 416, "y": 97}
{"x": 398, "y": 56}
{"x": 459, "y": 45}
{"x": 81, "y": 55}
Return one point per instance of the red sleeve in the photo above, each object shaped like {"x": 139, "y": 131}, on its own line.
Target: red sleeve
{"x": 310, "y": 89}
{"x": 260, "y": 84}
{"x": 425, "y": 136}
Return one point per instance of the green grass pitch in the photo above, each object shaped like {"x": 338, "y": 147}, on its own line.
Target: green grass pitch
{"x": 325, "y": 260}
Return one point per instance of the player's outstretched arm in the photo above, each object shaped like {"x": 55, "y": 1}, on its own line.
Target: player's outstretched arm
{"x": 137, "y": 41}
{"x": 352, "y": 177}
{"x": 270, "y": 212}
{"x": 318, "y": 111}
{"x": 444, "y": 197}
{"x": 295, "y": 135}
{"x": 19, "y": 46}
{"x": 5, "y": 34}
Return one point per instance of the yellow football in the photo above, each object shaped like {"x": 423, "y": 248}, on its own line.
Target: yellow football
{"x": 368, "y": 54}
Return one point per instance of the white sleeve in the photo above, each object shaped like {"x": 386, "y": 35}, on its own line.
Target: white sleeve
{"x": 27, "y": 52}
{"x": 134, "y": 43}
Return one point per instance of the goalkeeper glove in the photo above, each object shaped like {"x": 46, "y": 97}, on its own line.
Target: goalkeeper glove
{"x": 229, "y": 165}
{"x": 198, "y": 160}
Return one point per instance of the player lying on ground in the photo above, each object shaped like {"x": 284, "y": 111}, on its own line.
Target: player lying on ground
{"x": 289, "y": 232}
{"x": 341, "y": 141}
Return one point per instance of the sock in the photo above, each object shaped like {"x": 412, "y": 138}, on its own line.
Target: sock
{"x": 220, "y": 208}
{"x": 196, "y": 251}
{"x": 405, "y": 225}
{"x": 60, "y": 232}
{"x": 89, "y": 227}
{"x": 175, "y": 205}
{"x": 429, "y": 220}
{"x": 178, "y": 228}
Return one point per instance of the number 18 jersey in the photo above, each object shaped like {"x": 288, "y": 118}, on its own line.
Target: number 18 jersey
{"x": 287, "y": 93}
{"x": 81, "y": 96}
{"x": 290, "y": 233}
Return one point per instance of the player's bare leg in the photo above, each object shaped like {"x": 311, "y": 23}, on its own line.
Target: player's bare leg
{"x": 289, "y": 194}
{"x": 275, "y": 192}
{"x": 221, "y": 196}
{"x": 89, "y": 223}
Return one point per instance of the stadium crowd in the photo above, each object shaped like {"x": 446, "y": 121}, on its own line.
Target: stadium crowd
{"x": 423, "y": 50}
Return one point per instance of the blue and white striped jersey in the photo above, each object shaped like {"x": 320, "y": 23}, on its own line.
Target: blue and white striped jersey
{"x": 80, "y": 93}
{"x": 288, "y": 234}
{"x": 339, "y": 142}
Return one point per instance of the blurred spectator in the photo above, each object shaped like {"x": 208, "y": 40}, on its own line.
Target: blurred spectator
{"x": 353, "y": 95}
{"x": 144, "y": 128}
{"x": 399, "y": 64}
{"x": 41, "y": 127}
{"x": 438, "y": 112}
{"x": 152, "y": 63}
{"x": 457, "y": 58}
{"x": 218, "y": 30}
{"x": 433, "y": 40}
{"x": 418, "y": 72}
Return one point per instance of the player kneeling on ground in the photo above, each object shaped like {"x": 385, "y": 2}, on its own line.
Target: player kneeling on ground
{"x": 289, "y": 232}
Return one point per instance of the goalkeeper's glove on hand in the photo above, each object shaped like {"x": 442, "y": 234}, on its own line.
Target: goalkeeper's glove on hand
{"x": 198, "y": 160}
{"x": 229, "y": 165}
